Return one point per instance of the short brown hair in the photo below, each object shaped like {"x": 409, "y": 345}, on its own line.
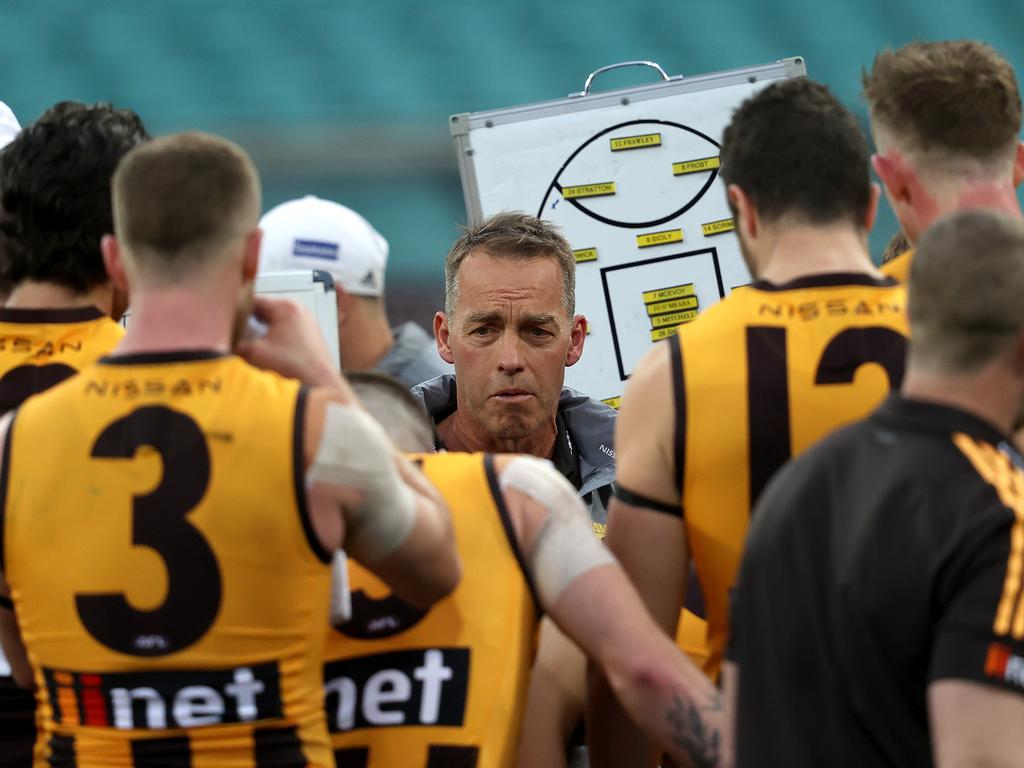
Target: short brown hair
{"x": 965, "y": 289}
{"x": 178, "y": 197}
{"x": 512, "y": 235}
{"x": 959, "y": 96}
{"x": 401, "y": 413}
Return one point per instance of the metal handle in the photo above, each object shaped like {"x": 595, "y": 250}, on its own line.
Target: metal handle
{"x": 652, "y": 64}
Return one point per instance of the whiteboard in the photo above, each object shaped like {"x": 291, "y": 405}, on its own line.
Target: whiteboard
{"x": 631, "y": 178}
{"x": 314, "y": 289}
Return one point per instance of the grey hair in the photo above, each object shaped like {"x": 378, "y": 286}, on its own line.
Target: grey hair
{"x": 965, "y": 289}
{"x": 402, "y": 415}
{"x": 512, "y": 235}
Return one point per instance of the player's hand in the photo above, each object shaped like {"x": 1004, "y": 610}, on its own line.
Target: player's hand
{"x": 292, "y": 345}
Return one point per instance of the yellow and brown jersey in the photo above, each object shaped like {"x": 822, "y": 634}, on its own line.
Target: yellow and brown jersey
{"x": 169, "y": 588}
{"x": 759, "y": 378}
{"x": 41, "y": 347}
{"x": 443, "y": 688}
{"x": 898, "y": 268}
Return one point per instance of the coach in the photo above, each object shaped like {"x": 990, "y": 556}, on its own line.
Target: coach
{"x": 510, "y": 330}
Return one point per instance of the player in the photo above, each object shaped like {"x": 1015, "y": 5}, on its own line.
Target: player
{"x": 54, "y": 208}
{"x": 878, "y": 615}
{"x": 447, "y": 687}
{"x": 816, "y": 341}
{"x": 946, "y": 120}
{"x": 193, "y": 503}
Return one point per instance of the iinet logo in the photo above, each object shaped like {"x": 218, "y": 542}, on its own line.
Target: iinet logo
{"x": 165, "y": 699}
{"x": 426, "y": 686}
{"x": 1002, "y": 664}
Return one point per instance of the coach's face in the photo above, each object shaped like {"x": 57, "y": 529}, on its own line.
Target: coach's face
{"x": 510, "y": 340}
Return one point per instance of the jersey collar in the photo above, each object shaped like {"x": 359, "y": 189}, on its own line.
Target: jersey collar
{"x": 825, "y": 280}
{"x": 43, "y": 316}
{"x": 926, "y": 416}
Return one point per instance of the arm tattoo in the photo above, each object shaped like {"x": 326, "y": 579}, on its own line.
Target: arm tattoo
{"x": 692, "y": 734}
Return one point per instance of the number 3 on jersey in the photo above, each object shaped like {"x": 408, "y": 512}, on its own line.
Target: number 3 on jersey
{"x": 768, "y": 381}
{"x": 160, "y": 522}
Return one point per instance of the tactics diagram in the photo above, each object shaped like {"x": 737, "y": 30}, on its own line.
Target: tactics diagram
{"x": 633, "y": 179}
{"x": 643, "y": 207}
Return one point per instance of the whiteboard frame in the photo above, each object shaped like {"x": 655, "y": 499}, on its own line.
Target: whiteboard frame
{"x": 464, "y": 124}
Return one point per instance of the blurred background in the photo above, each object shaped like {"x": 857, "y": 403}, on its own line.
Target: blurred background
{"x": 350, "y": 101}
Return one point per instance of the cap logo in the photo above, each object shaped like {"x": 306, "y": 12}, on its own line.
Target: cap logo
{"x": 312, "y": 249}
{"x": 369, "y": 280}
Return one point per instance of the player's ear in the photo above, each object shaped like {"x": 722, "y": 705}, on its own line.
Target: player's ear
{"x": 111, "y": 251}
{"x": 441, "y": 335}
{"x": 344, "y": 301}
{"x": 577, "y": 336}
{"x": 251, "y": 255}
{"x": 871, "y": 214}
{"x": 744, "y": 210}
{"x": 1018, "y": 164}
{"x": 893, "y": 172}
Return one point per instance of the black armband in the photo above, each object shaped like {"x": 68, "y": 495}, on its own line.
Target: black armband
{"x": 635, "y": 499}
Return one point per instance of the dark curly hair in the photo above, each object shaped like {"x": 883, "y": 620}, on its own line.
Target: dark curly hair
{"x": 795, "y": 149}
{"x": 55, "y": 194}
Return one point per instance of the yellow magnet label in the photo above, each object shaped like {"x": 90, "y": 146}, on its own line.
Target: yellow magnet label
{"x": 659, "y": 238}
{"x": 664, "y": 294}
{"x": 673, "y": 318}
{"x": 673, "y": 305}
{"x": 585, "y": 254}
{"x": 636, "y": 142}
{"x": 663, "y": 333}
{"x": 695, "y": 166}
{"x": 717, "y": 227}
{"x": 589, "y": 190}
{"x": 613, "y": 401}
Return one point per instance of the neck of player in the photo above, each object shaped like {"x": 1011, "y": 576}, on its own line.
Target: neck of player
{"x": 33, "y": 295}
{"x": 993, "y": 394}
{"x": 793, "y": 251}
{"x": 178, "y": 318}
{"x": 364, "y": 337}
{"x": 460, "y": 432}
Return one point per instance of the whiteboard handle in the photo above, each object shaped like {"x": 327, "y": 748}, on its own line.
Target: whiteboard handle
{"x": 652, "y": 64}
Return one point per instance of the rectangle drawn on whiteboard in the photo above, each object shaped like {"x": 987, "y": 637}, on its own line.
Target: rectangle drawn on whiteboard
{"x": 632, "y": 305}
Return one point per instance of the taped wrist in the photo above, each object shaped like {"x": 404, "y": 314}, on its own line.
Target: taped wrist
{"x": 565, "y": 547}
{"x": 355, "y": 452}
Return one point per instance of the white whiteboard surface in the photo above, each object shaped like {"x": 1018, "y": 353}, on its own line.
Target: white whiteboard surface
{"x": 313, "y": 289}
{"x": 653, "y": 249}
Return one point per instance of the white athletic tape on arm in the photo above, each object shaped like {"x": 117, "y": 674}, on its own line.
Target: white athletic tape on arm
{"x": 565, "y": 546}
{"x": 341, "y": 598}
{"x": 355, "y": 452}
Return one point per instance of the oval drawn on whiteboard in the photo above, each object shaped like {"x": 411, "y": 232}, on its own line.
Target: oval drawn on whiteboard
{"x": 639, "y": 176}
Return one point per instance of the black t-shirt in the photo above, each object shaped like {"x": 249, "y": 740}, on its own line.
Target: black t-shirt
{"x": 886, "y": 557}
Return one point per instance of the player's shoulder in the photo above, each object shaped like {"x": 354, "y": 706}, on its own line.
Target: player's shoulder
{"x": 898, "y": 268}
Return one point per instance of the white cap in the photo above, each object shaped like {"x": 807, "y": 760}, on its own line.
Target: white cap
{"x": 317, "y": 234}
{"x": 9, "y": 125}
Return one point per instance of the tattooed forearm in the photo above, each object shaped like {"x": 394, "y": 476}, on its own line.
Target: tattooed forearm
{"x": 689, "y": 731}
